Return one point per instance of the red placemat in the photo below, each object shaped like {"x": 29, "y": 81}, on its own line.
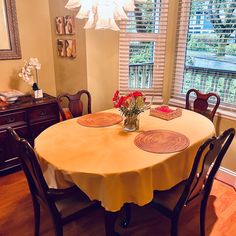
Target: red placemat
{"x": 161, "y": 141}
{"x": 99, "y": 119}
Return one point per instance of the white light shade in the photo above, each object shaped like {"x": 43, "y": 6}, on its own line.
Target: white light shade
{"x": 101, "y": 14}
{"x": 73, "y": 4}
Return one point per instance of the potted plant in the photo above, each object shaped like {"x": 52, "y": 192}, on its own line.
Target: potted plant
{"x": 29, "y": 73}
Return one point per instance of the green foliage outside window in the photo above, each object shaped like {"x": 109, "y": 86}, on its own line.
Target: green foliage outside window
{"x": 208, "y": 43}
{"x": 211, "y": 52}
{"x": 203, "y": 42}
{"x": 231, "y": 49}
{"x": 141, "y": 52}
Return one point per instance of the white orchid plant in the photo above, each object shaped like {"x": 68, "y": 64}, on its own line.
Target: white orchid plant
{"x": 27, "y": 73}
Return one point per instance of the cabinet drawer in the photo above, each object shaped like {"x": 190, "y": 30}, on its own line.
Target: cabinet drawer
{"x": 41, "y": 113}
{"x": 29, "y": 117}
{"x": 8, "y": 150}
{"x": 36, "y": 129}
{"x": 13, "y": 119}
{"x": 3, "y": 147}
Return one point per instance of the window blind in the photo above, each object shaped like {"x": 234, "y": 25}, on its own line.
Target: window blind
{"x": 142, "y": 47}
{"x": 205, "y": 56}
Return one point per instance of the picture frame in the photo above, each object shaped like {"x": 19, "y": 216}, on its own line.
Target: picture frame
{"x": 66, "y": 48}
{"x": 10, "y": 40}
{"x": 61, "y": 48}
{"x": 69, "y": 25}
{"x": 59, "y": 25}
{"x": 70, "y": 48}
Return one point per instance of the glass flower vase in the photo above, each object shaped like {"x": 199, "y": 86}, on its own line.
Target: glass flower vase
{"x": 131, "y": 123}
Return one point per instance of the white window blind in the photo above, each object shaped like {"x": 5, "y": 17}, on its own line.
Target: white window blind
{"x": 206, "y": 51}
{"x": 142, "y": 49}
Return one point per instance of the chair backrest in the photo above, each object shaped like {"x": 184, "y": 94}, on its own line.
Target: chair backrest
{"x": 206, "y": 163}
{"x": 29, "y": 162}
{"x": 75, "y": 104}
{"x": 200, "y": 104}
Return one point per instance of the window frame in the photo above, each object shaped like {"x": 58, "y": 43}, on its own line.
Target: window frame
{"x": 154, "y": 93}
{"x": 176, "y": 97}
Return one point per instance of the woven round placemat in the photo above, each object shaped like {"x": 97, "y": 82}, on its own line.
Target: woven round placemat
{"x": 99, "y": 119}
{"x": 161, "y": 141}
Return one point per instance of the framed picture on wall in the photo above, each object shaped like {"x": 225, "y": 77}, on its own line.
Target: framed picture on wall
{"x": 69, "y": 24}
{"x": 61, "y": 49}
{"x": 60, "y": 27}
{"x": 70, "y": 48}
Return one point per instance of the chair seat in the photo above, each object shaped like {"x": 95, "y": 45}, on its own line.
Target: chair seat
{"x": 67, "y": 114}
{"x": 72, "y": 205}
{"x": 169, "y": 198}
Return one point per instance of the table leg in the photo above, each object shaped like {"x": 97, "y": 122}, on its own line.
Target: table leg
{"x": 125, "y": 222}
{"x": 110, "y": 220}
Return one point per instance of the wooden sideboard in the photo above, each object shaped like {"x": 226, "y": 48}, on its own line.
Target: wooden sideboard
{"x": 29, "y": 117}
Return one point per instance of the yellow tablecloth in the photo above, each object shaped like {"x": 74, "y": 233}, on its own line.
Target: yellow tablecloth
{"x": 106, "y": 164}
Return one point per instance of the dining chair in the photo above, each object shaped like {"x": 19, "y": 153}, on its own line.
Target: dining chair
{"x": 75, "y": 105}
{"x": 64, "y": 205}
{"x": 197, "y": 185}
{"x": 200, "y": 103}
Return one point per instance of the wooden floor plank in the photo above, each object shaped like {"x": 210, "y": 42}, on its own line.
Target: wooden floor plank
{"x": 16, "y": 215}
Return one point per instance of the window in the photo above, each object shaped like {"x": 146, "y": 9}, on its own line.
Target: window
{"x": 142, "y": 49}
{"x": 206, "y": 58}
{"x": 141, "y": 60}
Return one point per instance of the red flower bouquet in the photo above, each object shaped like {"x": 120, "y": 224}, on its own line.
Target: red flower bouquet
{"x": 130, "y": 105}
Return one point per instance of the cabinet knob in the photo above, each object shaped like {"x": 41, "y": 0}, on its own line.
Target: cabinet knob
{"x": 42, "y": 114}
{"x": 10, "y": 120}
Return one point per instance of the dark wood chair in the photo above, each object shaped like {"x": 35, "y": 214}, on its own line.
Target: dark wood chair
{"x": 75, "y": 105}
{"x": 200, "y": 103}
{"x": 198, "y": 184}
{"x": 64, "y": 205}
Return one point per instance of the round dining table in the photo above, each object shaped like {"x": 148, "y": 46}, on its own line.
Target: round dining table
{"x": 106, "y": 164}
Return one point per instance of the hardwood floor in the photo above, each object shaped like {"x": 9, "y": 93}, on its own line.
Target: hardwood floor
{"x": 16, "y": 215}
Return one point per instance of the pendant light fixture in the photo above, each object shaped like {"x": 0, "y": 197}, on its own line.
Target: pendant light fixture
{"x": 102, "y": 14}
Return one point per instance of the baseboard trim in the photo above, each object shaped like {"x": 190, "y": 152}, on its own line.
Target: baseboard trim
{"x": 227, "y": 176}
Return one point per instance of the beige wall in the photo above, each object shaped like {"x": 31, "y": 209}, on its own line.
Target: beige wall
{"x": 222, "y": 124}
{"x": 35, "y": 40}
{"x": 70, "y": 74}
{"x": 96, "y": 65}
{"x": 102, "y": 67}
